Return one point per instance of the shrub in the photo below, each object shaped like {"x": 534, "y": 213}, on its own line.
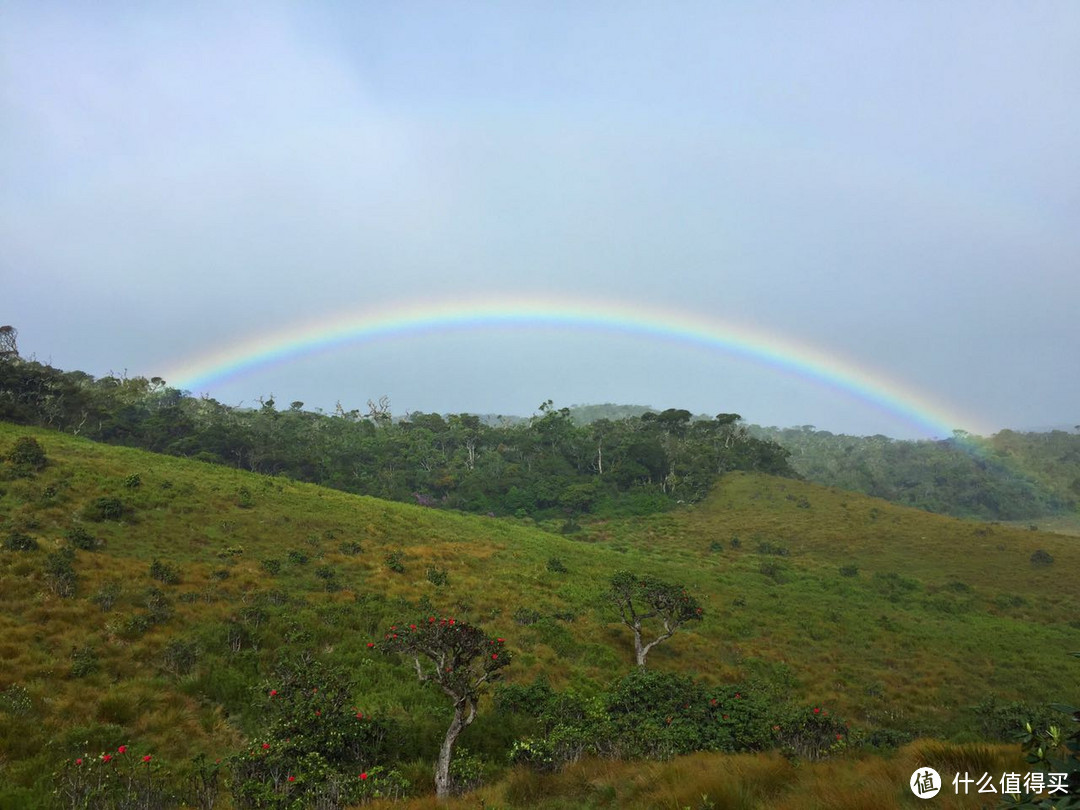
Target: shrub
{"x": 159, "y": 608}
{"x": 271, "y": 565}
{"x": 80, "y": 538}
{"x": 312, "y": 732}
{"x": 164, "y": 572}
{"x": 350, "y": 547}
{"x": 810, "y": 733}
{"x": 106, "y": 596}
{"x": 437, "y": 576}
{"x": 17, "y": 541}
{"x": 104, "y": 508}
{"x": 555, "y": 566}
{"x": 60, "y": 572}
{"x": 133, "y": 481}
{"x": 716, "y": 546}
{"x": 526, "y": 616}
{"x": 395, "y": 561}
{"x": 849, "y": 570}
{"x": 84, "y": 661}
{"x": 298, "y": 557}
{"x": 221, "y": 574}
{"x": 27, "y": 456}
{"x": 180, "y": 657}
{"x": 1042, "y": 557}
{"x": 244, "y": 499}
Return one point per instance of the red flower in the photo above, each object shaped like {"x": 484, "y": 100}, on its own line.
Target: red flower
{"x": 146, "y": 759}
{"x": 273, "y": 693}
{"x": 839, "y": 736}
{"x": 78, "y": 761}
{"x": 500, "y": 640}
{"x": 266, "y": 746}
{"x": 122, "y": 749}
{"x": 359, "y": 715}
{"x": 725, "y": 717}
{"x": 431, "y": 619}
{"x": 318, "y": 713}
{"x": 106, "y": 757}
{"x": 292, "y": 778}
{"x": 817, "y": 711}
{"x": 738, "y": 696}
{"x": 412, "y": 626}
{"x": 451, "y": 621}
{"x": 363, "y": 775}
{"x": 370, "y": 644}
{"x": 494, "y": 656}
{"x": 712, "y": 702}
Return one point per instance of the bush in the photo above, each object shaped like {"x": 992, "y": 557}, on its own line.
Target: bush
{"x": 810, "y": 733}
{"x": 555, "y": 566}
{"x": 60, "y": 572}
{"x": 1041, "y": 557}
{"x": 164, "y": 572}
{"x": 17, "y": 541}
{"x": 526, "y": 616}
{"x": 298, "y": 557}
{"x": 313, "y": 733}
{"x": 180, "y": 657}
{"x": 350, "y": 547}
{"x": 106, "y": 596}
{"x": 849, "y": 570}
{"x": 27, "y": 456}
{"x": 395, "y": 561}
{"x": 271, "y": 565}
{"x": 104, "y": 508}
{"x": 437, "y": 576}
{"x": 244, "y": 499}
{"x": 80, "y": 538}
{"x": 133, "y": 481}
{"x": 84, "y": 661}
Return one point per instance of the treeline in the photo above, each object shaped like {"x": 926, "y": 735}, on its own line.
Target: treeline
{"x": 544, "y": 467}
{"x": 1008, "y": 476}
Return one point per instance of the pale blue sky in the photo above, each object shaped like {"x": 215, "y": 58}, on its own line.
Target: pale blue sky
{"x": 894, "y": 183}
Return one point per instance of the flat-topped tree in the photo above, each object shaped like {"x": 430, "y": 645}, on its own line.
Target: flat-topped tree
{"x": 462, "y": 660}
{"x": 641, "y": 599}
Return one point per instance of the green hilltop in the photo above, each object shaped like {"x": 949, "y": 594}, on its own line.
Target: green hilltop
{"x": 188, "y": 582}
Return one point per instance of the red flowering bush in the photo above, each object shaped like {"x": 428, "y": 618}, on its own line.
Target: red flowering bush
{"x": 315, "y": 743}
{"x": 810, "y": 733}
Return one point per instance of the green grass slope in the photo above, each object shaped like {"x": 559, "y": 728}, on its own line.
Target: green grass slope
{"x": 929, "y": 615}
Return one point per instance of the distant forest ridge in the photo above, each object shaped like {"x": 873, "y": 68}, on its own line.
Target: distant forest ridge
{"x": 561, "y": 463}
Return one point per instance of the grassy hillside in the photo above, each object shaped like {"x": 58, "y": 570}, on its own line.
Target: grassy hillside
{"x": 893, "y": 618}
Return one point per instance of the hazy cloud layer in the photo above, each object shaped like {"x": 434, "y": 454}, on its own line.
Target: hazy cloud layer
{"x": 897, "y": 184}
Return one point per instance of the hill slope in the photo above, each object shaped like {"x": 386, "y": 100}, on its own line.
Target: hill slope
{"x": 929, "y": 616}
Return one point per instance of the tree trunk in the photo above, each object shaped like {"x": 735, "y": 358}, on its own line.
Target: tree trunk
{"x": 442, "y": 767}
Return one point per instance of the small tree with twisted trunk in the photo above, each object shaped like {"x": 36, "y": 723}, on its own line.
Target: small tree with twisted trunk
{"x": 462, "y": 660}
{"x": 642, "y": 599}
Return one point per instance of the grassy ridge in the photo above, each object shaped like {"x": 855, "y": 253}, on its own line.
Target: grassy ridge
{"x": 933, "y": 615}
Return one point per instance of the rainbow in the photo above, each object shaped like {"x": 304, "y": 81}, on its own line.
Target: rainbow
{"x": 768, "y": 349}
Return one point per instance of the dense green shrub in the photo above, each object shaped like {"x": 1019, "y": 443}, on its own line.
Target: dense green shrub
{"x": 60, "y": 572}
{"x": 556, "y": 566}
{"x": 437, "y": 576}
{"x": 297, "y": 557}
{"x": 315, "y": 744}
{"x": 80, "y": 538}
{"x": 27, "y": 456}
{"x": 18, "y": 541}
{"x": 395, "y": 561}
{"x": 84, "y": 661}
{"x": 810, "y": 733}
{"x": 104, "y": 508}
{"x": 1042, "y": 557}
{"x": 164, "y": 572}
{"x": 350, "y": 547}
{"x": 271, "y": 565}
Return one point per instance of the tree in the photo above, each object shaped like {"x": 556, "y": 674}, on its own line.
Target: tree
{"x": 641, "y": 599}
{"x": 462, "y": 660}
{"x": 9, "y": 337}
